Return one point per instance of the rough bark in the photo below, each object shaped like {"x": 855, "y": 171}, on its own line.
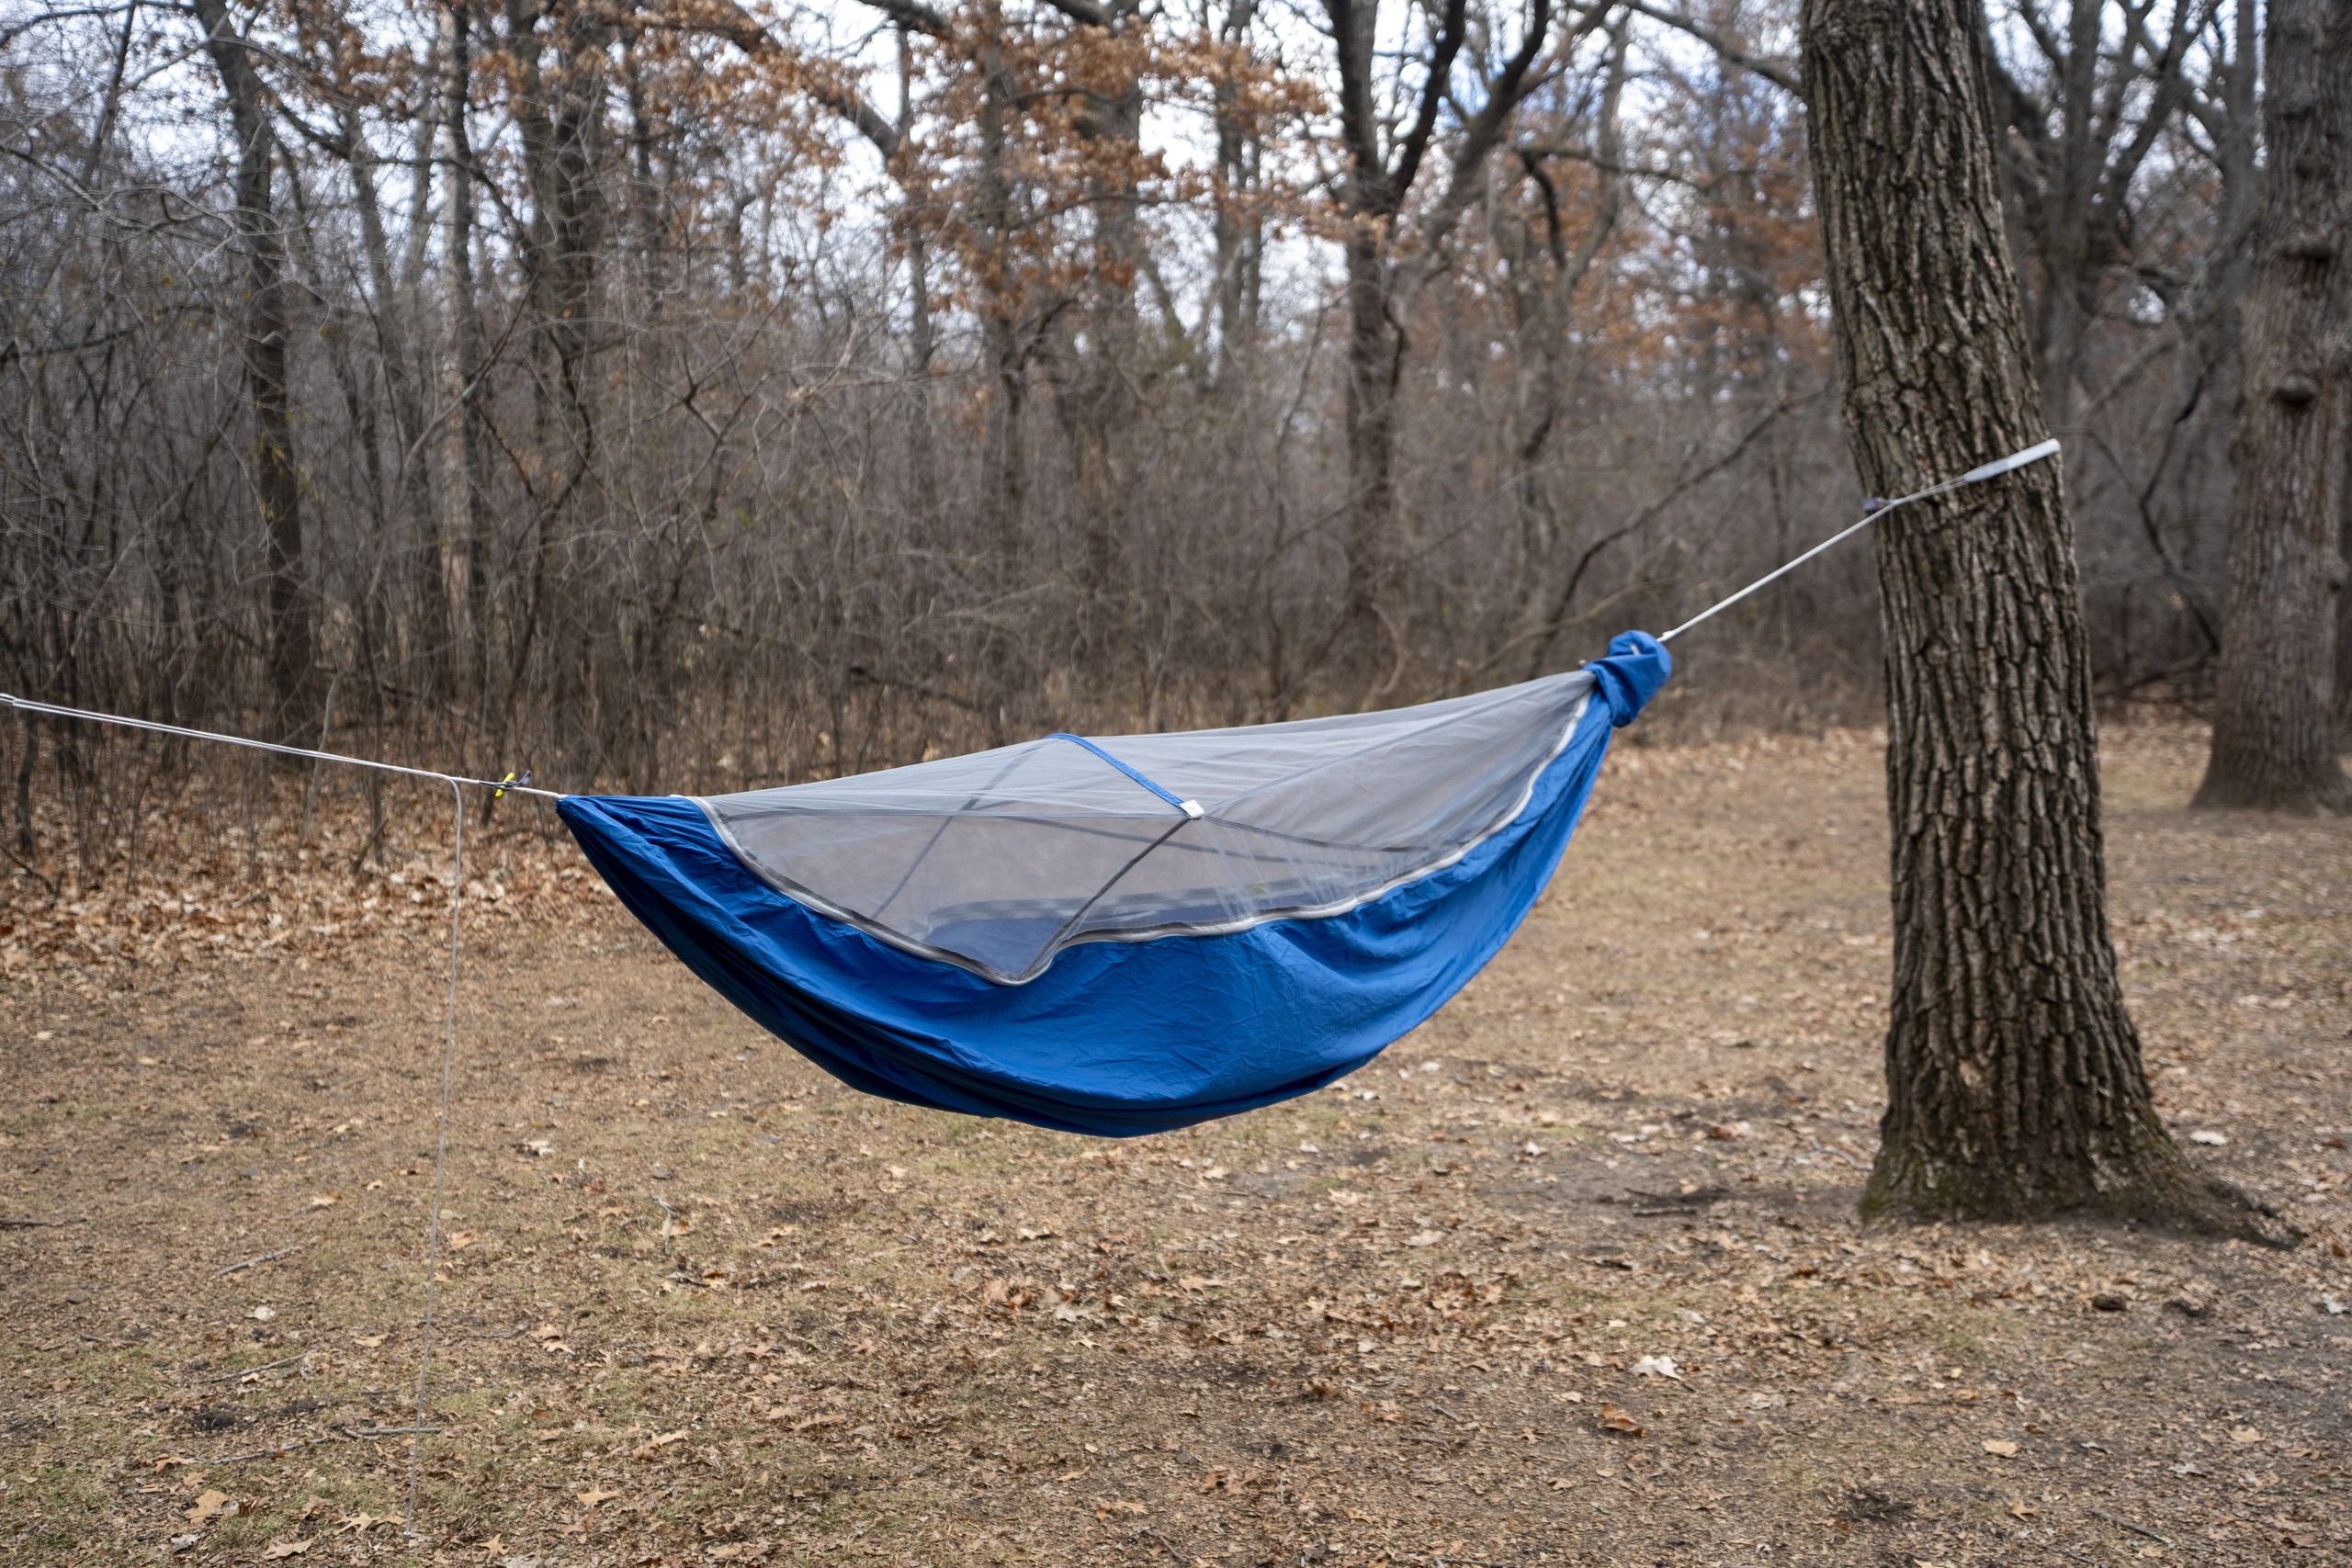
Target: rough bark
{"x": 278, "y": 487}
{"x": 2274, "y": 728}
{"x": 2015, "y": 1087}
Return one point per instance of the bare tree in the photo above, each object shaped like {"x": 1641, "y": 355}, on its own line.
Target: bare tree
{"x": 1383, "y": 165}
{"x": 268, "y": 307}
{"x": 2014, "y": 1079}
{"x": 2274, "y": 728}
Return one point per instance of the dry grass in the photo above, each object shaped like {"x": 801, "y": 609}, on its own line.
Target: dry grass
{"x": 711, "y": 1307}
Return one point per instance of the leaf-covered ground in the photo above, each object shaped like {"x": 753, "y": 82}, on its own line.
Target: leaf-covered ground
{"x": 1571, "y": 1275}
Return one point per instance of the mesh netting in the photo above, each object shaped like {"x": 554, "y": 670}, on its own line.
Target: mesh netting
{"x": 999, "y": 860}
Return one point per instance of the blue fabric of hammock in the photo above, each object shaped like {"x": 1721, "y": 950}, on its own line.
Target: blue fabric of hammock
{"x": 1112, "y": 1037}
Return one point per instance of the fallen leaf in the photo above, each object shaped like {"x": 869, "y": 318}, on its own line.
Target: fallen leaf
{"x": 459, "y": 1240}
{"x": 2000, "y": 1448}
{"x": 2210, "y": 1139}
{"x": 2023, "y": 1510}
{"x": 369, "y": 1341}
{"x": 1216, "y": 1173}
{"x": 2245, "y": 1435}
{"x": 595, "y": 1496}
{"x": 816, "y": 1422}
{"x": 262, "y": 1315}
{"x": 323, "y": 1201}
{"x": 207, "y": 1505}
{"x": 277, "y": 1548}
{"x": 1424, "y": 1238}
{"x": 1616, "y": 1418}
{"x": 652, "y": 1448}
{"x": 1106, "y": 1510}
{"x": 1657, "y": 1367}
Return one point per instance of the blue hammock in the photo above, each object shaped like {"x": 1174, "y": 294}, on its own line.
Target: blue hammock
{"x": 1122, "y": 935}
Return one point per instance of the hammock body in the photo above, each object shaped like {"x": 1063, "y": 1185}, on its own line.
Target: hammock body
{"x": 1128, "y": 935}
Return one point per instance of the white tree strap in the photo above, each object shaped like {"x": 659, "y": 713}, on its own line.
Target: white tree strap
{"x": 1871, "y": 512}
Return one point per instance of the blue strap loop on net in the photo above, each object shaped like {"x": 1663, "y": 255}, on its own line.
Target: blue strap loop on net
{"x": 1189, "y": 808}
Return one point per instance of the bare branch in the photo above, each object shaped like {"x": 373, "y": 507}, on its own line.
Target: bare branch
{"x": 1779, "y": 72}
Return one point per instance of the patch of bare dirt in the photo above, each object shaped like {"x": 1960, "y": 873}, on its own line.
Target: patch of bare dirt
{"x": 1572, "y": 1275}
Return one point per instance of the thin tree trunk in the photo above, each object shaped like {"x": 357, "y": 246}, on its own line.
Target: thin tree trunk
{"x": 1543, "y": 307}
{"x": 2014, "y": 1081}
{"x": 1373, "y": 354}
{"x": 467, "y": 351}
{"x": 1236, "y": 231}
{"x": 1101, "y": 422}
{"x": 392, "y": 321}
{"x": 2274, "y": 725}
{"x": 915, "y": 218}
{"x": 1008, "y": 461}
{"x": 268, "y": 303}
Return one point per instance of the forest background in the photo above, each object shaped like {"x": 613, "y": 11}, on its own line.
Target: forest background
{"x": 680, "y": 395}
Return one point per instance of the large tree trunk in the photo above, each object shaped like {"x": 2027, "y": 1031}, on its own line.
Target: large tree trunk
{"x": 2274, "y": 730}
{"x": 278, "y": 487}
{"x": 2014, "y": 1081}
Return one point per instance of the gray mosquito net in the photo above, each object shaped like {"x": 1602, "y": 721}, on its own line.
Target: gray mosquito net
{"x": 999, "y": 860}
